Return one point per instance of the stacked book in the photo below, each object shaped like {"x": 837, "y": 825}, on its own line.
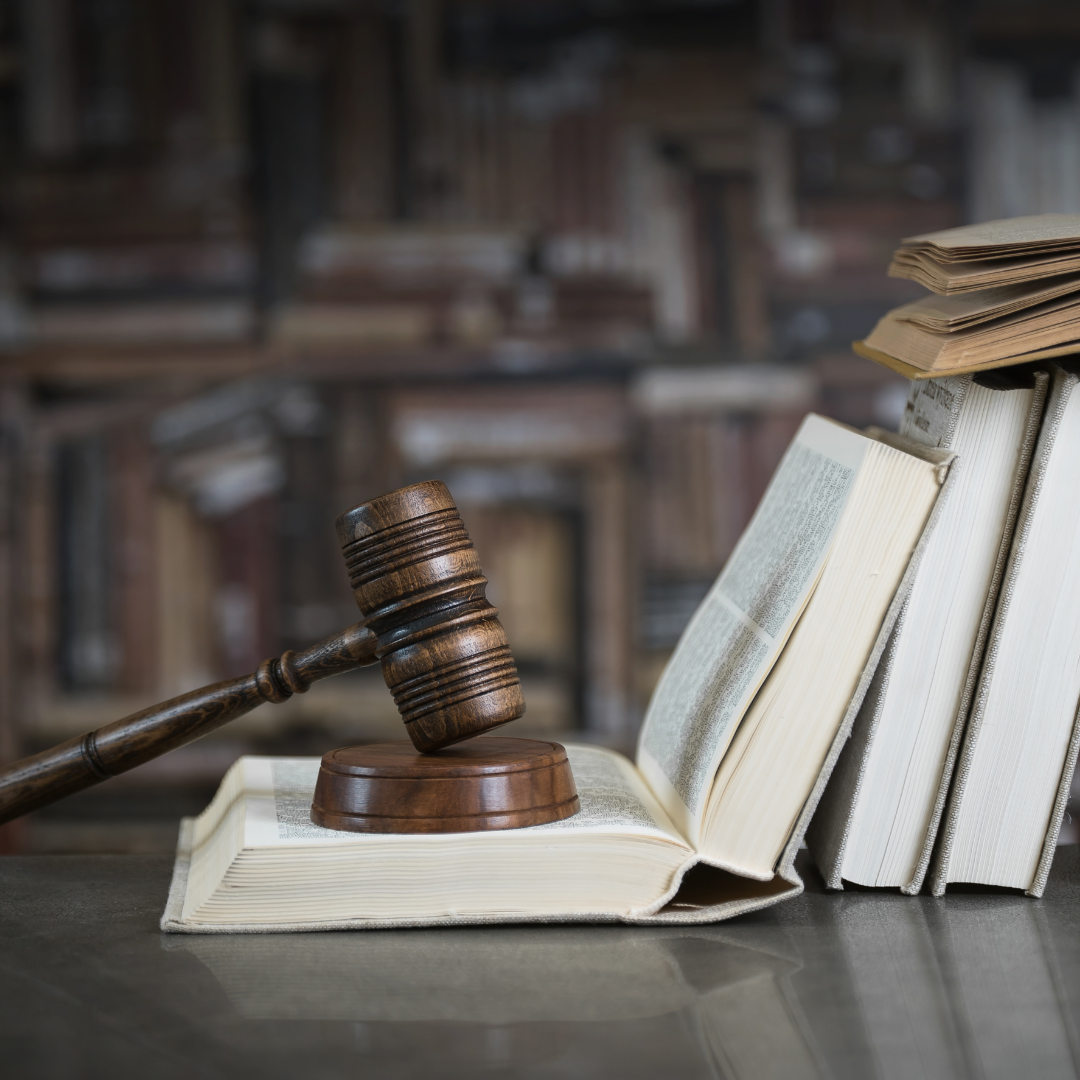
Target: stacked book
{"x": 888, "y": 666}
{"x": 962, "y": 756}
{"x": 1007, "y": 292}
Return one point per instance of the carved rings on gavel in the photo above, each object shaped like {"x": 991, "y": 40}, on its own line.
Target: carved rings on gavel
{"x": 278, "y": 679}
{"x": 418, "y": 583}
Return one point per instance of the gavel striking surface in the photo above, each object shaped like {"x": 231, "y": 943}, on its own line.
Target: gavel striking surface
{"x": 486, "y": 783}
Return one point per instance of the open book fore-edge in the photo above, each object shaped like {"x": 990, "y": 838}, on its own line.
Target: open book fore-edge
{"x": 752, "y": 895}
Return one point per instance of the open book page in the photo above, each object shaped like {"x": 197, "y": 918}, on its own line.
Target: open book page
{"x": 974, "y": 275}
{"x": 743, "y": 623}
{"x": 614, "y": 799}
{"x": 1036, "y": 229}
{"x": 946, "y": 314}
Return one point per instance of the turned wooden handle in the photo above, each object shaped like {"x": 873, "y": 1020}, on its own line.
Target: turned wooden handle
{"x": 88, "y": 759}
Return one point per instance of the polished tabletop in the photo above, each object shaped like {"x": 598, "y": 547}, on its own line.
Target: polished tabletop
{"x": 857, "y": 984}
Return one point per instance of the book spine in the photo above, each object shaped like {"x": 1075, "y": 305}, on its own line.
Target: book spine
{"x": 933, "y": 409}
{"x": 362, "y": 135}
{"x": 1062, "y": 386}
{"x": 13, "y": 571}
{"x": 50, "y": 108}
{"x": 87, "y": 653}
{"x": 247, "y": 601}
{"x": 185, "y": 580}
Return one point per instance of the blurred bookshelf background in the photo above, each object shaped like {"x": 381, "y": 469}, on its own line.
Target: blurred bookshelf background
{"x": 589, "y": 262}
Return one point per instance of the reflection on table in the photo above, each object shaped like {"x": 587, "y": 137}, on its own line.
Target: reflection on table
{"x": 969, "y": 986}
{"x": 854, "y": 985}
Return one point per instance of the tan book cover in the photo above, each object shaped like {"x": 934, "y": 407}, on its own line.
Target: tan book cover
{"x": 909, "y": 371}
{"x": 947, "y": 314}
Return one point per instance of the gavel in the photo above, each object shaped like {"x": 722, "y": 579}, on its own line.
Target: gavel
{"x": 445, "y": 658}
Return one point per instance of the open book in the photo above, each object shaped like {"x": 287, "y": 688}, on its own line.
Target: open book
{"x": 1011, "y": 251}
{"x": 737, "y": 745}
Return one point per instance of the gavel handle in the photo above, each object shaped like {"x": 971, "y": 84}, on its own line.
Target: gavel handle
{"x": 88, "y": 759}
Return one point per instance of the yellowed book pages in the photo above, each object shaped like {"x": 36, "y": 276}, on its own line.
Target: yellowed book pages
{"x": 947, "y": 314}
{"x": 1050, "y": 326}
{"x": 991, "y": 254}
{"x": 910, "y": 371}
{"x": 1004, "y": 238}
{"x": 946, "y": 279}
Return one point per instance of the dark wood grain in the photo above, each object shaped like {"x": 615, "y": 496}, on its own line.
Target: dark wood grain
{"x": 122, "y": 745}
{"x": 418, "y": 583}
{"x": 483, "y": 784}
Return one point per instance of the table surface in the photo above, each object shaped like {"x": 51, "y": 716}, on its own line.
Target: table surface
{"x": 857, "y": 984}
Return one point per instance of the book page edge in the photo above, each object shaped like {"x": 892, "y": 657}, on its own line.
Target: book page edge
{"x": 1055, "y": 407}
{"x": 1023, "y": 469}
{"x": 1042, "y": 870}
{"x": 901, "y": 367}
{"x": 171, "y": 920}
{"x": 892, "y": 615}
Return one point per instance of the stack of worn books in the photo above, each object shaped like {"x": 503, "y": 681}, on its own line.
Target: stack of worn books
{"x": 962, "y": 756}
{"x": 1007, "y": 292}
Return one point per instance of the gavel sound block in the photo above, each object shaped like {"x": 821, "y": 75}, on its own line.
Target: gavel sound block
{"x": 444, "y": 657}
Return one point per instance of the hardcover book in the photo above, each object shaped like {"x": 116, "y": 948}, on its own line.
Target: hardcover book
{"x": 1020, "y": 747}
{"x": 879, "y": 817}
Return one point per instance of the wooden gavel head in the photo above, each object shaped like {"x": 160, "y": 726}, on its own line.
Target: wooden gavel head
{"x": 418, "y": 583}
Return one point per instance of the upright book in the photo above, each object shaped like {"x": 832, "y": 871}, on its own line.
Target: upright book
{"x": 736, "y": 748}
{"x": 880, "y": 813}
{"x": 1019, "y": 750}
